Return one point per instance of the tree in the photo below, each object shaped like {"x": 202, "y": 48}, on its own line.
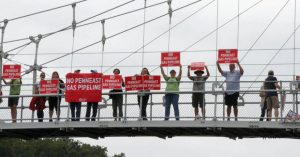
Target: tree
{"x": 55, "y": 147}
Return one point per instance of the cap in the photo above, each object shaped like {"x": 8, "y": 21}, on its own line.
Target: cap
{"x": 199, "y": 71}
{"x": 77, "y": 70}
{"x": 94, "y": 71}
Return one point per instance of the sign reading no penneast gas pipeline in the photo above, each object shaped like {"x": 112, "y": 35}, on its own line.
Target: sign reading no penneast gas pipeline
{"x": 84, "y": 87}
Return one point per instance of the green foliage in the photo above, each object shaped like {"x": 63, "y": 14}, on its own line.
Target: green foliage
{"x": 50, "y": 148}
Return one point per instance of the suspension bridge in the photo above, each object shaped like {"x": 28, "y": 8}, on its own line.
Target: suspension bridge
{"x": 196, "y": 28}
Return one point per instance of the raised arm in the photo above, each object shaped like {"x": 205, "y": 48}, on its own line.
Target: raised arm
{"x": 180, "y": 73}
{"x": 207, "y": 72}
{"x": 219, "y": 68}
{"x": 241, "y": 68}
{"x": 163, "y": 72}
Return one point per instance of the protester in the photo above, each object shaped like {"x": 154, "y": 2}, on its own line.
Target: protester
{"x": 38, "y": 102}
{"x": 271, "y": 95}
{"x": 90, "y": 105}
{"x": 54, "y": 101}
{"x": 232, "y": 87}
{"x": 143, "y": 98}
{"x": 75, "y": 106}
{"x": 172, "y": 88}
{"x": 15, "y": 89}
{"x": 198, "y": 97}
{"x": 117, "y": 99}
{"x": 263, "y": 102}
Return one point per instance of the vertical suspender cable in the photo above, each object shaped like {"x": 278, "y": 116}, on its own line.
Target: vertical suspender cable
{"x": 170, "y": 22}
{"x": 103, "y": 43}
{"x": 73, "y": 37}
{"x": 1, "y": 48}
{"x": 295, "y": 21}
{"x": 144, "y": 33}
{"x": 170, "y": 11}
{"x": 238, "y": 26}
{"x": 217, "y": 36}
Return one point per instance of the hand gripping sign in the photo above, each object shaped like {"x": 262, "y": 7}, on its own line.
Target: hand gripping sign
{"x": 197, "y": 66}
{"x": 228, "y": 55}
{"x": 111, "y": 81}
{"x": 170, "y": 59}
{"x": 49, "y": 86}
{"x": 133, "y": 83}
{"x": 84, "y": 87}
{"x": 11, "y": 71}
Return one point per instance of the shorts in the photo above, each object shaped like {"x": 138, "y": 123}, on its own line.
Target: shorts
{"x": 272, "y": 102}
{"x": 232, "y": 100}
{"x": 53, "y": 102}
{"x": 198, "y": 99}
{"x": 13, "y": 101}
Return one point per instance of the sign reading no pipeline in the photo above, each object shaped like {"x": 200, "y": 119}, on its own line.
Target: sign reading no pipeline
{"x": 133, "y": 83}
{"x": 197, "y": 66}
{"x": 170, "y": 59}
{"x": 111, "y": 81}
{"x": 228, "y": 55}
{"x": 84, "y": 87}
{"x": 11, "y": 71}
{"x": 49, "y": 86}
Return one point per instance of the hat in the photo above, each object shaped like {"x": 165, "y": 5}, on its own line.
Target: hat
{"x": 200, "y": 71}
{"x": 94, "y": 71}
{"x": 172, "y": 71}
{"x": 271, "y": 73}
{"x": 77, "y": 70}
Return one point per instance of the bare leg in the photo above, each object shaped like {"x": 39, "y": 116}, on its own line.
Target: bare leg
{"x": 269, "y": 114}
{"x": 228, "y": 112}
{"x": 203, "y": 112}
{"x": 235, "y": 111}
{"x": 276, "y": 113}
{"x": 13, "y": 110}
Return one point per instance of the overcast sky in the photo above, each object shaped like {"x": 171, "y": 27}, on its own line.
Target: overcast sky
{"x": 198, "y": 26}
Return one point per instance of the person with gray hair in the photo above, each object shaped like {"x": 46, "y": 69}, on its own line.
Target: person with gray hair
{"x": 232, "y": 87}
{"x": 271, "y": 85}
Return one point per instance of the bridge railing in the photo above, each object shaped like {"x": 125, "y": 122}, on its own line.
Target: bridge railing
{"x": 249, "y": 108}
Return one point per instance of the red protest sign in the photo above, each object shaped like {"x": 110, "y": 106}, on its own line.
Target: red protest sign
{"x": 142, "y": 83}
{"x": 151, "y": 82}
{"x": 11, "y": 71}
{"x": 83, "y": 87}
{"x": 49, "y": 86}
{"x": 170, "y": 59}
{"x": 228, "y": 55}
{"x": 133, "y": 83}
{"x": 197, "y": 66}
{"x": 111, "y": 81}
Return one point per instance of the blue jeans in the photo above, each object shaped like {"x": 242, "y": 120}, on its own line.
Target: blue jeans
{"x": 171, "y": 99}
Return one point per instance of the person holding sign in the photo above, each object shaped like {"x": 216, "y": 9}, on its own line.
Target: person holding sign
{"x": 172, "y": 88}
{"x": 75, "y": 106}
{"x": 54, "y": 101}
{"x": 90, "y": 105}
{"x": 199, "y": 87}
{"x": 117, "y": 99}
{"x": 143, "y": 98}
{"x": 15, "y": 89}
{"x": 232, "y": 87}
